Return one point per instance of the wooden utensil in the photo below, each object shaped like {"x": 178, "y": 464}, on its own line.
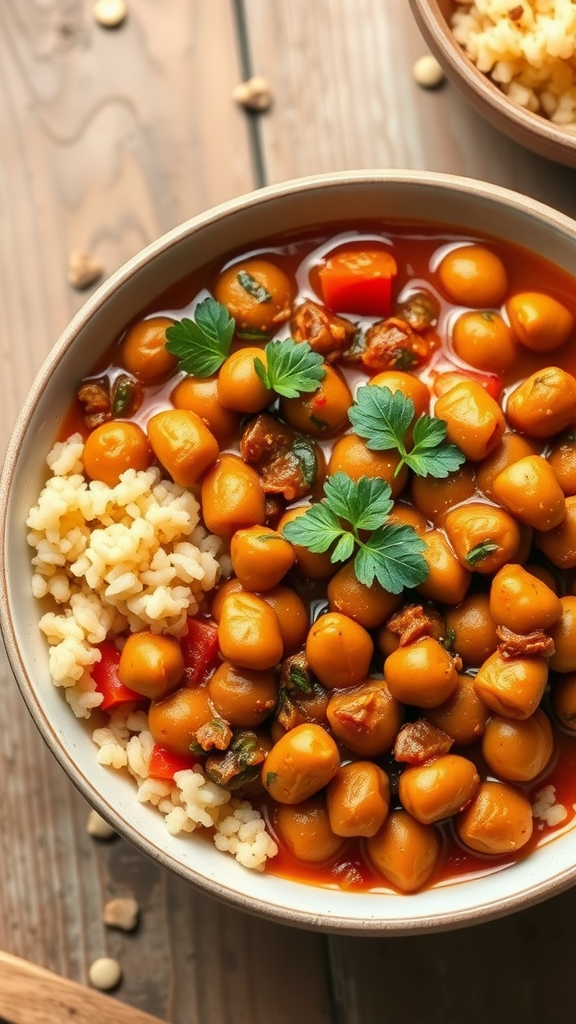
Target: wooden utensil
{"x": 33, "y": 995}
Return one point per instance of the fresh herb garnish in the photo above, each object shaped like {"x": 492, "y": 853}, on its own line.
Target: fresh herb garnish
{"x": 253, "y": 287}
{"x": 481, "y": 551}
{"x": 291, "y": 368}
{"x": 383, "y": 418}
{"x": 202, "y": 344}
{"x": 352, "y": 518}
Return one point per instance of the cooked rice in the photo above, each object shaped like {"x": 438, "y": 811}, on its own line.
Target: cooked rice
{"x": 531, "y": 55}
{"x": 119, "y": 559}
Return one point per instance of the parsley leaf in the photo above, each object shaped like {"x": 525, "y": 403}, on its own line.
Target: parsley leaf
{"x": 202, "y": 344}
{"x": 291, "y": 368}
{"x": 349, "y": 511}
{"x": 383, "y": 419}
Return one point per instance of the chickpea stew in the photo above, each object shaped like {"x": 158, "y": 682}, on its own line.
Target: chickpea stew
{"x": 368, "y": 653}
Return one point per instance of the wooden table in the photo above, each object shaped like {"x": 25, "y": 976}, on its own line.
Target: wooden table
{"x": 107, "y": 139}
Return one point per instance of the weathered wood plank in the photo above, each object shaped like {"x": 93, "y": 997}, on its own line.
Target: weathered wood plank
{"x": 345, "y": 98}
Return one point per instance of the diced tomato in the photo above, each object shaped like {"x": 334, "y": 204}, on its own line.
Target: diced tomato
{"x": 448, "y": 379}
{"x": 105, "y": 675}
{"x": 359, "y": 281}
{"x": 200, "y": 649}
{"x": 164, "y": 764}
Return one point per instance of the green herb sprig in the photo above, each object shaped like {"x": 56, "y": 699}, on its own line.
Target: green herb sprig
{"x": 203, "y": 344}
{"x": 384, "y": 417}
{"x": 351, "y": 519}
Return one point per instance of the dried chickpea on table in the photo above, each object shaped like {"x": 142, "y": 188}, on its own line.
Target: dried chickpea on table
{"x": 333, "y": 625}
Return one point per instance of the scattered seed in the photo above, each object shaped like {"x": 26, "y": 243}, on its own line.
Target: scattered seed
{"x": 255, "y": 94}
{"x": 105, "y": 973}
{"x": 122, "y": 913}
{"x": 428, "y": 72}
{"x": 110, "y": 13}
{"x": 83, "y": 270}
{"x": 97, "y": 827}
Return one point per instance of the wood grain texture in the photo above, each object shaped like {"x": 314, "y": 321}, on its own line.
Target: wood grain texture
{"x": 345, "y": 98}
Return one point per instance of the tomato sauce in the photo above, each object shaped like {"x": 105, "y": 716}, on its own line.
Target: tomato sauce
{"x": 417, "y": 251}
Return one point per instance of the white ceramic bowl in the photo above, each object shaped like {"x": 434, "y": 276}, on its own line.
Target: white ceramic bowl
{"x": 326, "y": 199}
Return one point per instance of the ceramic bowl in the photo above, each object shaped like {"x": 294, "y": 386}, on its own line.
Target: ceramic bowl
{"x": 530, "y": 130}
{"x": 321, "y": 200}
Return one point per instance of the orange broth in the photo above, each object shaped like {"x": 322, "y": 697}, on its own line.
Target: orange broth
{"x": 416, "y": 250}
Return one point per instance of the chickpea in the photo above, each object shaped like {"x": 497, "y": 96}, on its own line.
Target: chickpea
{"x": 543, "y": 404}
{"x": 183, "y": 444}
{"x": 308, "y": 564}
{"x": 369, "y": 606}
{"x": 473, "y": 276}
{"x": 511, "y": 449}
{"x": 404, "y": 851}
{"x": 292, "y": 616}
{"x": 243, "y": 696}
{"x": 447, "y": 579}
{"x": 422, "y": 673}
{"x": 474, "y": 420}
{"x": 173, "y": 721}
{"x": 143, "y": 350}
{"x": 563, "y": 633}
{"x": 530, "y": 491}
{"x": 151, "y": 664}
{"x": 434, "y": 497}
{"x": 518, "y": 751}
{"x": 540, "y": 322}
{"x": 439, "y": 788}
{"x": 389, "y": 641}
{"x": 483, "y": 340}
{"x": 339, "y": 650}
{"x": 559, "y": 544}
{"x": 260, "y": 557}
{"x": 114, "y": 447}
{"x": 403, "y": 514}
{"x": 304, "y": 829}
{"x": 357, "y": 799}
{"x": 562, "y": 458}
{"x": 239, "y": 386}
{"x": 472, "y": 629}
{"x": 352, "y": 456}
{"x": 365, "y": 718}
{"x": 322, "y": 413}
{"x": 200, "y": 395}
{"x": 463, "y": 716}
{"x": 232, "y": 496}
{"x": 257, "y": 294}
{"x": 484, "y": 537}
{"x": 512, "y": 687}
{"x": 498, "y": 821}
{"x": 301, "y": 763}
{"x": 564, "y": 700}
{"x": 249, "y": 633}
{"x": 412, "y": 387}
{"x": 521, "y": 602}
{"x": 225, "y": 587}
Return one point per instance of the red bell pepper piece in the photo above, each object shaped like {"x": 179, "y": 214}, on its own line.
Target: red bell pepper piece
{"x": 358, "y": 281}
{"x": 200, "y": 649}
{"x": 105, "y": 675}
{"x": 164, "y": 763}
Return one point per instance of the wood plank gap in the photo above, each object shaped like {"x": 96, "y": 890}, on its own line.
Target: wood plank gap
{"x": 255, "y": 135}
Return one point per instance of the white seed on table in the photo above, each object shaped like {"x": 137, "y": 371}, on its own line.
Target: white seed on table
{"x": 98, "y": 828}
{"x": 110, "y": 13}
{"x": 122, "y": 913}
{"x": 255, "y": 94}
{"x": 83, "y": 269}
{"x": 105, "y": 973}
{"x": 428, "y": 72}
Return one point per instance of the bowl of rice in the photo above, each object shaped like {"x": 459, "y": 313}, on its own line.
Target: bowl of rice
{"x": 90, "y": 564}
{"x": 514, "y": 62}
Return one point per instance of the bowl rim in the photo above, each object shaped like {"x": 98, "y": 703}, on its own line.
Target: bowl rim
{"x": 306, "y": 916}
{"x": 461, "y": 68}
